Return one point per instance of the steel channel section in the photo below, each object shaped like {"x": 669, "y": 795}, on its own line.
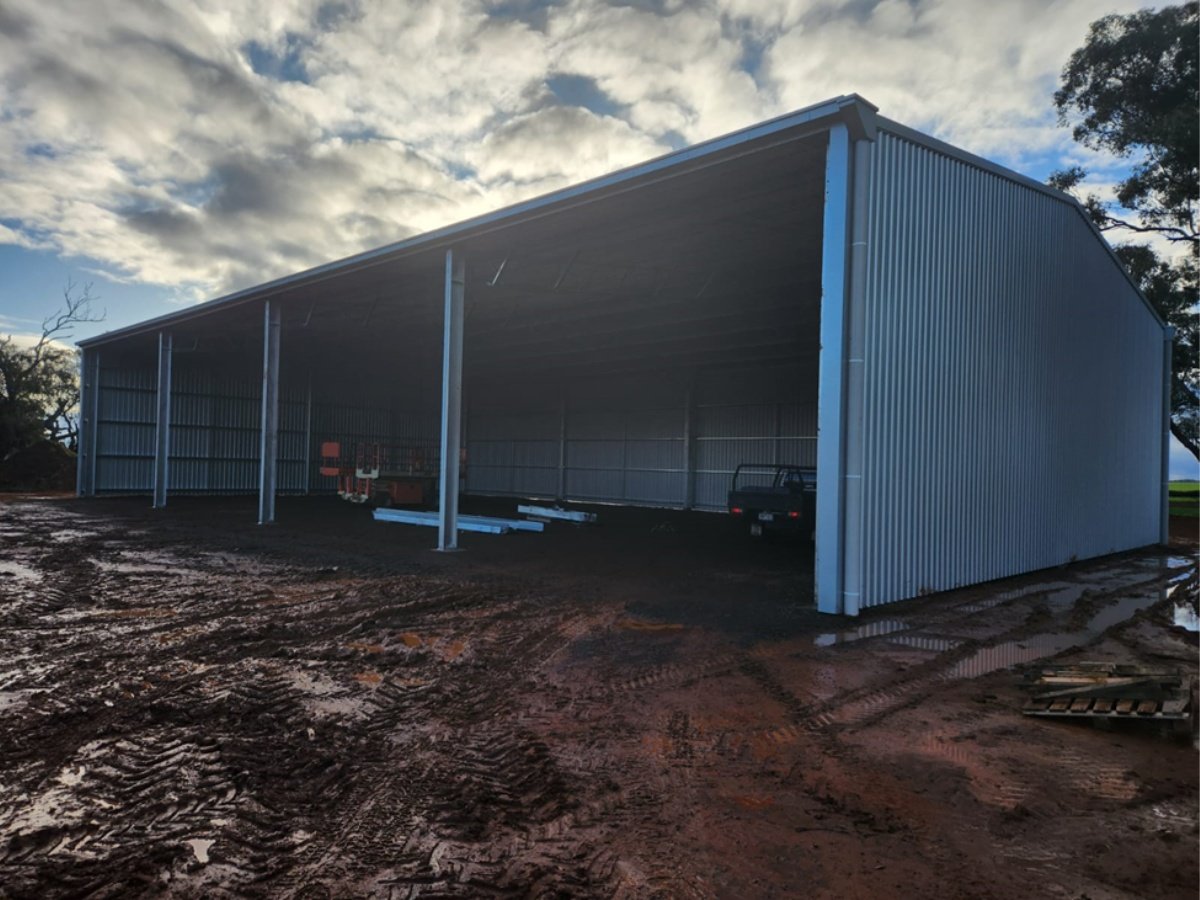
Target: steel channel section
{"x": 1164, "y": 531}
{"x": 852, "y": 434}
{"x": 433, "y": 520}
{"x": 162, "y": 420}
{"x": 452, "y": 363}
{"x": 831, "y": 405}
{"x": 1013, "y": 384}
{"x": 269, "y": 433}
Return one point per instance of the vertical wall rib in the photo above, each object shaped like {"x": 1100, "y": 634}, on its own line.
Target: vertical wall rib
{"x": 1011, "y": 394}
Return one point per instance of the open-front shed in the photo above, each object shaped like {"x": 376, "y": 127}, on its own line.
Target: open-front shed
{"x": 952, "y": 345}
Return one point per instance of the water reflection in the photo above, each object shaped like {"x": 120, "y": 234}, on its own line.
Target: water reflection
{"x": 1021, "y": 652}
{"x": 870, "y": 629}
{"x": 1185, "y": 615}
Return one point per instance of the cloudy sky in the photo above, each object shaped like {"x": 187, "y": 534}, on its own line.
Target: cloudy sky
{"x": 172, "y": 152}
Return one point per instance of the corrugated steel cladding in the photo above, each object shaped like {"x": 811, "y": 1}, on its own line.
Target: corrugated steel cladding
{"x": 215, "y": 421}
{"x": 625, "y": 440}
{"x": 1012, "y": 383}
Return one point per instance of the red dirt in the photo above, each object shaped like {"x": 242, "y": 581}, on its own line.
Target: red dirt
{"x": 194, "y": 706}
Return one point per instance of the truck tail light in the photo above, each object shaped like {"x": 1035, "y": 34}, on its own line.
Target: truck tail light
{"x": 735, "y": 510}
{"x": 793, "y": 514}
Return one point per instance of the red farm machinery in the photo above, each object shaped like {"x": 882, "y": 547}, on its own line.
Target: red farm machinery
{"x": 384, "y": 475}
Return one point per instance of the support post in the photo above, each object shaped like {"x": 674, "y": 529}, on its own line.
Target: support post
{"x": 562, "y": 443}
{"x": 1164, "y": 535}
{"x": 689, "y": 445}
{"x": 831, "y": 400}
{"x": 452, "y": 359}
{"x": 854, "y": 385}
{"x": 269, "y": 443}
{"x": 89, "y": 406}
{"x": 162, "y": 421}
{"x": 308, "y": 435}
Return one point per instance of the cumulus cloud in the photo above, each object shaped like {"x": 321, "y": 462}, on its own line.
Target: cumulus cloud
{"x": 218, "y": 144}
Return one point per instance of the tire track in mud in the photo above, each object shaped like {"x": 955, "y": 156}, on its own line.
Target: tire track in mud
{"x": 492, "y": 812}
{"x": 963, "y": 658}
{"x": 137, "y": 799}
{"x": 396, "y": 736}
{"x": 953, "y": 658}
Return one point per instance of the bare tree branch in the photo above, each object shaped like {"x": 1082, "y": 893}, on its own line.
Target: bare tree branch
{"x": 1169, "y": 232}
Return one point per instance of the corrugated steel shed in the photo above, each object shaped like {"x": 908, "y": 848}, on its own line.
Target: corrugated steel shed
{"x": 953, "y": 345}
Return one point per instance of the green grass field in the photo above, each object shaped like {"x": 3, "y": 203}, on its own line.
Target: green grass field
{"x": 1185, "y": 498}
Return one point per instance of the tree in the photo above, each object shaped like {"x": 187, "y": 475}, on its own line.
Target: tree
{"x": 1132, "y": 90}
{"x": 39, "y": 383}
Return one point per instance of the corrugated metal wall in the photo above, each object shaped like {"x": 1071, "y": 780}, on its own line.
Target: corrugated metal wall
{"x": 757, "y": 415}
{"x": 215, "y": 419}
{"x": 125, "y": 429}
{"x": 626, "y": 440}
{"x": 1012, "y": 384}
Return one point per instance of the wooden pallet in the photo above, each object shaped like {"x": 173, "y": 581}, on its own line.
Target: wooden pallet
{"x": 1110, "y": 690}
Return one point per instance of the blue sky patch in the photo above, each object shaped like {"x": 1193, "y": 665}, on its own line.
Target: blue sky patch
{"x": 579, "y": 90}
{"x": 286, "y": 66}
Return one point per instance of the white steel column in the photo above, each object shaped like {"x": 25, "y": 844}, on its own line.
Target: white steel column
{"x": 162, "y": 420}
{"x": 831, "y": 401}
{"x": 269, "y": 444}
{"x": 89, "y": 407}
{"x": 1164, "y": 536}
{"x": 854, "y": 384}
{"x": 452, "y": 361}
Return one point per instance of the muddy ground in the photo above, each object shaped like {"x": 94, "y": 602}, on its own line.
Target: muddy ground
{"x": 194, "y": 706}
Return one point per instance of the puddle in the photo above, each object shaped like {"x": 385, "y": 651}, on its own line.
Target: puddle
{"x": 9, "y": 569}
{"x": 10, "y": 700}
{"x": 644, "y": 625}
{"x": 1026, "y": 650}
{"x": 200, "y": 847}
{"x": 70, "y": 777}
{"x": 1119, "y": 611}
{"x": 1012, "y": 653}
{"x": 1065, "y": 598}
{"x": 71, "y": 534}
{"x": 870, "y": 629}
{"x": 1185, "y": 615}
{"x": 921, "y": 642}
{"x": 1053, "y": 591}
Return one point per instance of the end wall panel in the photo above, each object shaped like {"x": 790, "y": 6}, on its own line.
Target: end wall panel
{"x": 1012, "y": 395}
{"x": 125, "y": 429}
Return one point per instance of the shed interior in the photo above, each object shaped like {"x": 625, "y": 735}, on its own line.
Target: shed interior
{"x": 633, "y": 348}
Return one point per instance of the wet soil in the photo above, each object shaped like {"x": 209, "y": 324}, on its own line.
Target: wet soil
{"x": 195, "y": 706}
